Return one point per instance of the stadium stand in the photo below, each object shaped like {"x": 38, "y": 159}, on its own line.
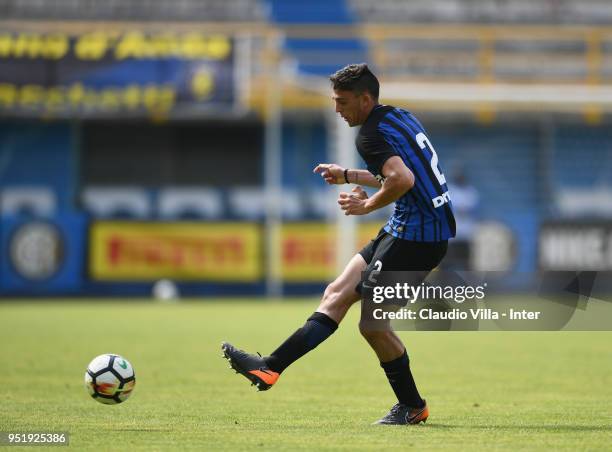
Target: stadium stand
{"x": 538, "y": 163}
{"x": 582, "y": 186}
{"x": 594, "y": 166}
{"x": 320, "y": 55}
{"x": 249, "y": 203}
{"x": 311, "y": 12}
{"x": 132, "y": 10}
{"x": 500, "y": 161}
{"x": 580, "y": 203}
{"x": 190, "y": 203}
{"x": 38, "y": 154}
{"x": 117, "y": 202}
{"x": 499, "y": 154}
{"x": 319, "y": 205}
{"x": 484, "y": 11}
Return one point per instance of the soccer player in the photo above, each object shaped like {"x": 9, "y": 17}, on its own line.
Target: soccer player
{"x": 403, "y": 165}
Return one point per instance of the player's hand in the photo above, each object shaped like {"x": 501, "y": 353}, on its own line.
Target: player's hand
{"x": 332, "y": 174}
{"x": 354, "y": 203}
{"x": 359, "y": 192}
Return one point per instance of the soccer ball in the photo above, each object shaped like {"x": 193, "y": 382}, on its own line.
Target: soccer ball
{"x": 110, "y": 379}
{"x": 165, "y": 290}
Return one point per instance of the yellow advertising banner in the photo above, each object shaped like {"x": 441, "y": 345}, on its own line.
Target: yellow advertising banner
{"x": 132, "y": 251}
{"x": 309, "y": 250}
{"x": 367, "y": 232}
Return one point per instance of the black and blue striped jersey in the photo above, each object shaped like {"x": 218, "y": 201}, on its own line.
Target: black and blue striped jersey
{"x": 425, "y": 212}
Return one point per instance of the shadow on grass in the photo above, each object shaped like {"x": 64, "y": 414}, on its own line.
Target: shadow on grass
{"x": 548, "y": 428}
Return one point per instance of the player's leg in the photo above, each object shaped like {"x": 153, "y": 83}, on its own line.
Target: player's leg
{"x": 394, "y": 254}
{"x": 337, "y": 299}
{"x": 341, "y": 294}
{"x": 393, "y": 358}
{"x": 386, "y": 344}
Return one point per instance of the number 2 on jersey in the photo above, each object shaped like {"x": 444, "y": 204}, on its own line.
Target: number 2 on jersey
{"x": 424, "y": 143}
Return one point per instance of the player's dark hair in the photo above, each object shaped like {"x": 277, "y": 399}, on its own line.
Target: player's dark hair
{"x": 356, "y": 78}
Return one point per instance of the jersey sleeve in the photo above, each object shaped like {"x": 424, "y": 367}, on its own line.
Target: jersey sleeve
{"x": 376, "y": 151}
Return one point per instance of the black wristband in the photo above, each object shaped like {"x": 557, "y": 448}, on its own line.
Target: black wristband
{"x": 346, "y": 176}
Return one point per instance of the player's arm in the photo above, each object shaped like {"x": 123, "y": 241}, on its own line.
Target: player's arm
{"x": 336, "y": 175}
{"x": 398, "y": 180}
{"x": 362, "y": 177}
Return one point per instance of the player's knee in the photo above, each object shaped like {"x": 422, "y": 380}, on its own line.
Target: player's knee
{"x": 365, "y": 331}
{"x": 336, "y": 295}
{"x": 332, "y": 294}
{"x": 370, "y": 333}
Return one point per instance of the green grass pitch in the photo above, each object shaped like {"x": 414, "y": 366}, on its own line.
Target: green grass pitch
{"x": 486, "y": 390}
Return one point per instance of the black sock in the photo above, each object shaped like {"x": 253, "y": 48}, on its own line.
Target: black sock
{"x": 317, "y": 328}
{"x": 400, "y": 378}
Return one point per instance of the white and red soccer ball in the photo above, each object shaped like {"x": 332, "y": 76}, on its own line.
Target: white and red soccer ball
{"x": 110, "y": 379}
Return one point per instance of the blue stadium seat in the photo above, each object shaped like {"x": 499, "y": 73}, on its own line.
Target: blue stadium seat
{"x": 319, "y": 56}
{"x": 310, "y": 12}
{"x": 583, "y": 156}
{"x": 500, "y": 161}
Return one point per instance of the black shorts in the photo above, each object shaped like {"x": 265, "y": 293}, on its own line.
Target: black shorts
{"x": 388, "y": 253}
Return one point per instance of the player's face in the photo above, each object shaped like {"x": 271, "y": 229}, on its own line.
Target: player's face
{"x": 352, "y": 107}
